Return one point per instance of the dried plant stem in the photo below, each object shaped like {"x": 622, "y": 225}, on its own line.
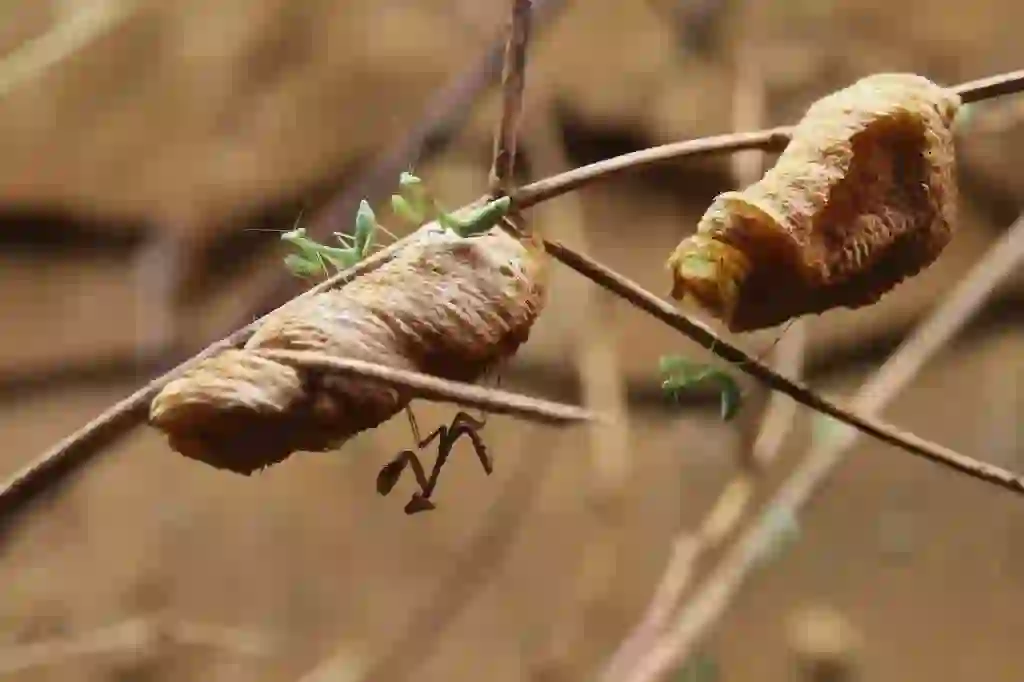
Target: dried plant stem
{"x": 120, "y": 418}
{"x": 725, "y": 580}
{"x": 435, "y": 388}
{"x": 557, "y": 185}
{"x": 71, "y": 34}
{"x": 666, "y": 313}
{"x": 513, "y": 82}
{"x": 772, "y": 139}
{"x": 129, "y": 637}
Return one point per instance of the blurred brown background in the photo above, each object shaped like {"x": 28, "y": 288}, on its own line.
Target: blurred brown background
{"x": 137, "y": 164}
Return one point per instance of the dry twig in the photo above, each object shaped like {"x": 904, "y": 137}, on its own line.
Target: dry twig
{"x": 513, "y": 83}
{"x": 31, "y": 59}
{"x": 434, "y": 388}
{"x": 592, "y": 328}
{"x": 772, "y": 139}
{"x": 130, "y": 636}
{"x": 665, "y": 312}
{"x": 697, "y": 617}
{"x": 120, "y": 418}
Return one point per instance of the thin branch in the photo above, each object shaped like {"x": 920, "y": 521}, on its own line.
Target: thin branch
{"x": 989, "y": 88}
{"x": 33, "y": 58}
{"x": 666, "y": 313}
{"x": 773, "y": 139}
{"x": 591, "y": 332}
{"x": 513, "y": 82}
{"x": 130, "y": 636}
{"x": 81, "y": 446}
{"x": 952, "y": 315}
{"x": 435, "y": 388}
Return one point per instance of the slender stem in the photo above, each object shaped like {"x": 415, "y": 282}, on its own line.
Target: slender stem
{"x": 556, "y": 185}
{"x": 1001, "y": 84}
{"x": 887, "y": 433}
{"x": 513, "y": 81}
{"x": 70, "y": 35}
{"x": 773, "y": 139}
{"x": 435, "y": 388}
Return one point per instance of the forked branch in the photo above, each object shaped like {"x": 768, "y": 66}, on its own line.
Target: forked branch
{"x": 126, "y": 414}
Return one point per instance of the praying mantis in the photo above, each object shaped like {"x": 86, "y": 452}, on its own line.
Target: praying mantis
{"x": 415, "y": 205}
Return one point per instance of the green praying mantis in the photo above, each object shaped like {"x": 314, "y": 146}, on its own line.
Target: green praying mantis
{"x": 681, "y": 374}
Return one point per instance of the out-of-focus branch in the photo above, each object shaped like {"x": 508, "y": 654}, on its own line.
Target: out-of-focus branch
{"x": 594, "y": 338}
{"x": 31, "y": 59}
{"x": 701, "y": 613}
{"x": 513, "y": 82}
{"x": 762, "y": 431}
{"x": 130, "y": 636}
{"x": 468, "y": 576}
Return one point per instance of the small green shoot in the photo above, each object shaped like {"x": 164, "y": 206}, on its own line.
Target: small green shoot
{"x": 681, "y": 374}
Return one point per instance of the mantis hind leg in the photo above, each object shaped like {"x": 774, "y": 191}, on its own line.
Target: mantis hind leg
{"x": 463, "y": 424}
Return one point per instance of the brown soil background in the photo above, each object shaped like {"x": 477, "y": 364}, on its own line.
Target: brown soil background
{"x": 184, "y": 118}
